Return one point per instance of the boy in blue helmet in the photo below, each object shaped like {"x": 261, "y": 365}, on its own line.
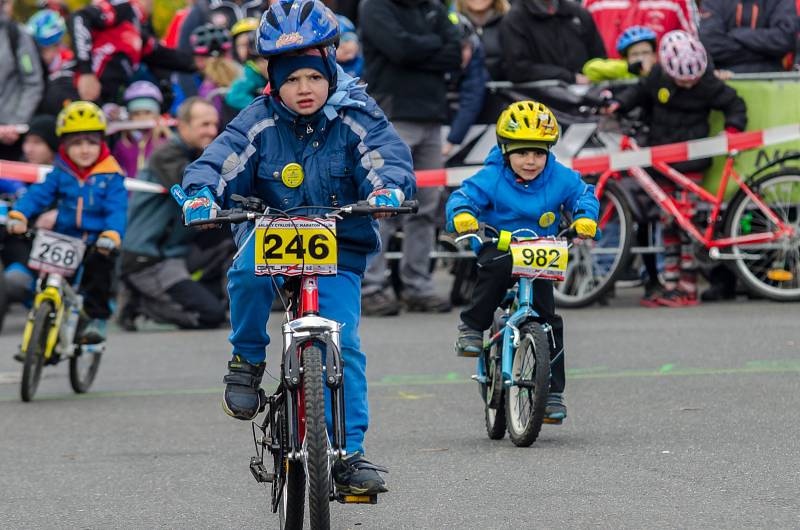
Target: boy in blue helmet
{"x": 319, "y": 117}
{"x": 637, "y": 47}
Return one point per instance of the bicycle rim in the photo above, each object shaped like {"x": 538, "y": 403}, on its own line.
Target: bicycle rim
{"x": 82, "y": 371}
{"x": 525, "y": 405}
{"x": 594, "y": 265}
{"x": 316, "y": 443}
{"x": 769, "y": 269}
{"x": 34, "y": 356}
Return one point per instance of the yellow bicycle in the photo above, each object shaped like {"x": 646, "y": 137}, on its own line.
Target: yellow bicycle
{"x": 53, "y": 322}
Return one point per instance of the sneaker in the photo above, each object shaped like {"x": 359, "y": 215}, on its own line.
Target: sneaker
{"x": 94, "y": 332}
{"x": 380, "y": 304}
{"x": 431, "y": 303}
{"x": 677, "y": 298}
{"x": 470, "y": 341}
{"x": 651, "y": 297}
{"x": 355, "y": 475}
{"x": 243, "y": 398}
{"x": 555, "y": 412}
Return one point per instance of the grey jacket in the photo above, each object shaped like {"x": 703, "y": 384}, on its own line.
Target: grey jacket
{"x": 21, "y": 79}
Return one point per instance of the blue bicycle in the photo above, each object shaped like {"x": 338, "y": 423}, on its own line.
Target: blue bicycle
{"x": 513, "y": 370}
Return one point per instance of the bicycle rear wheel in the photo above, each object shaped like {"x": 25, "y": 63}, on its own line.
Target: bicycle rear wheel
{"x": 316, "y": 443}
{"x": 526, "y": 400}
{"x": 771, "y": 269}
{"x": 492, "y": 391}
{"x": 593, "y": 266}
{"x": 34, "y": 353}
{"x": 290, "y": 509}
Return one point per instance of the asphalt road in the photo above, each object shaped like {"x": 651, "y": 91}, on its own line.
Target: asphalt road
{"x": 677, "y": 418}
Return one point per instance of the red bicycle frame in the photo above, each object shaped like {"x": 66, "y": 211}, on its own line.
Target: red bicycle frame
{"x": 674, "y": 207}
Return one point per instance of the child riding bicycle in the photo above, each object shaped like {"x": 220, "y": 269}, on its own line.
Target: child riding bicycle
{"x": 317, "y": 140}
{"x": 522, "y": 186}
{"x": 88, "y": 187}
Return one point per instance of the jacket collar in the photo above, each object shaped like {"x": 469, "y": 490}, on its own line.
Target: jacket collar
{"x": 105, "y": 164}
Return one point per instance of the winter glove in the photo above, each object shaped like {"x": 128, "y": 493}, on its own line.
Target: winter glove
{"x": 586, "y": 228}
{"x": 465, "y": 222}
{"x": 17, "y": 223}
{"x": 386, "y": 197}
{"x": 107, "y": 241}
{"x": 198, "y": 207}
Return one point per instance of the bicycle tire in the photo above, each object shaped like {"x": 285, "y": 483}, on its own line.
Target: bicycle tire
{"x": 588, "y": 278}
{"x": 81, "y": 379}
{"x": 742, "y": 217}
{"x": 292, "y": 502}
{"x": 494, "y": 411}
{"x": 531, "y": 365}
{"x": 316, "y": 440}
{"x": 34, "y": 353}
{"x": 3, "y": 297}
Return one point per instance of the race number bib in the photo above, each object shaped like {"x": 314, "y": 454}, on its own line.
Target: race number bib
{"x": 544, "y": 259}
{"x": 295, "y": 246}
{"x": 56, "y": 253}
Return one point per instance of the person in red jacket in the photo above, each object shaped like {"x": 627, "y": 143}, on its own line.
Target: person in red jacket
{"x": 662, "y": 16}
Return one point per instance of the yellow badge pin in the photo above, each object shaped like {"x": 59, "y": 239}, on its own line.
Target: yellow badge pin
{"x": 292, "y": 175}
{"x": 663, "y": 95}
{"x": 547, "y": 219}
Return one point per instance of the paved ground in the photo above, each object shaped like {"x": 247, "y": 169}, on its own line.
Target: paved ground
{"x": 677, "y": 418}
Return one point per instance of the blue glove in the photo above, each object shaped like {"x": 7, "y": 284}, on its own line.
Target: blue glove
{"x": 386, "y": 197}
{"x": 198, "y": 207}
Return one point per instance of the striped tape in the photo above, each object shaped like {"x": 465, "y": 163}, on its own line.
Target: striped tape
{"x": 33, "y": 173}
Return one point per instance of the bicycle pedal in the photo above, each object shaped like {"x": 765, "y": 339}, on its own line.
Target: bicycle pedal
{"x": 259, "y": 472}
{"x": 347, "y": 498}
{"x": 553, "y": 421}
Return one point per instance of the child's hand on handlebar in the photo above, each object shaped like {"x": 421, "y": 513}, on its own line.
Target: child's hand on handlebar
{"x": 465, "y": 222}
{"x": 385, "y": 197}
{"x": 17, "y": 223}
{"x": 198, "y": 207}
{"x": 585, "y": 228}
{"x": 107, "y": 242}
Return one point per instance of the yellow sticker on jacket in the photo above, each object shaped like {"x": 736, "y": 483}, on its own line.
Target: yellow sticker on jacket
{"x": 547, "y": 219}
{"x": 663, "y": 95}
{"x": 292, "y": 175}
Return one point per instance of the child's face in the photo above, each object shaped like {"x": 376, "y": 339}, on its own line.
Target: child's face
{"x": 305, "y": 91}
{"x": 36, "y": 150}
{"x": 686, "y": 84}
{"x": 142, "y": 115}
{"x": 84, "y": 153}
{"x": 242, "y": 46}
{"x": 347, "y": 51}
{"x": 528, "y": 163}
{"x": 642, "y": 52}
{"x": 49, "y": 53}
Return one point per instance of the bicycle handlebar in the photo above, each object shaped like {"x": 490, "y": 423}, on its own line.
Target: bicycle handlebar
{"x": 361, "y": 208}
{"x": 569, "y": 233}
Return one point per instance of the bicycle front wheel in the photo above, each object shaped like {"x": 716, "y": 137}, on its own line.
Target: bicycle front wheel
{"x": 770, "y": 269}
{"x": 316, "y": 442}
{"x": 34, "y": 353}
{"x": 527, "y": 398}
{"x": 593, "y": 266}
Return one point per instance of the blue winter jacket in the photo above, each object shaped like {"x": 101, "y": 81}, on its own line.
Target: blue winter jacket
{"x": 85, "y": 207}
{"x": 495, "y": 197}
{"x": 347, "y": 150}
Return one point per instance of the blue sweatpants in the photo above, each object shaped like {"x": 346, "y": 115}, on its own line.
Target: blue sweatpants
{"x": 339, "y": 299}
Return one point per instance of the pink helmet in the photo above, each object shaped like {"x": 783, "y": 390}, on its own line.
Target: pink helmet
{"x": 682, "y": 56}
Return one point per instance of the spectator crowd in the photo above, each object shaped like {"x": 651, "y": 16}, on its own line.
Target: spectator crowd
{"x": 180, "y": 90}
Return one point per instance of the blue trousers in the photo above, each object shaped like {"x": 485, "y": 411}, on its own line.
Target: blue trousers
{"x": 339, "y": 299}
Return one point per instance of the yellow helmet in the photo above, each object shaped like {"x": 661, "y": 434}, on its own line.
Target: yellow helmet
{"x": 80, "y": 116}
{"x": 243, "y": 26}
{"x": 526, "y": 125}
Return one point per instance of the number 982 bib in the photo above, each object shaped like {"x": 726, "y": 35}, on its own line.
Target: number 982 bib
{"x": 296, "y": 246}
{"x": 544, "y": 259}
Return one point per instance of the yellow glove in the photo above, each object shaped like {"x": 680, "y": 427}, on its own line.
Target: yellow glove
{"x": 17, "y": 223}
{"x": 465, "y": 222}
{"x": 585, "y": 227}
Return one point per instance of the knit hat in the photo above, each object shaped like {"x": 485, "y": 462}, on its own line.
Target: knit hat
{"x": 44, "y": 126}
{"x": 282, "y": 66}
{"x": 147, "y": 104}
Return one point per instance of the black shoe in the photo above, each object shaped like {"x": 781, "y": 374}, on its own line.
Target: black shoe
{"x": 94, "y": 332}
{"x": 355, "y": 475}
{"x": 243, "y": 398}
{"x": 432, "y": 303}
{"x": 555, "y": 411}
{"x": 380, "y": 304}
{"x": 470, "y": 341}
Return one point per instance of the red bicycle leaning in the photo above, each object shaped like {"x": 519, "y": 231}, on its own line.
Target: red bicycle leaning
{"x": 758, "y": 231}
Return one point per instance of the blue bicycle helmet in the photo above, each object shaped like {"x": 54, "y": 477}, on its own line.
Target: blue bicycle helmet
{"x": 634, "y": 35}
{"x": 296, "y": 25}
{"x": 47, "y": 27}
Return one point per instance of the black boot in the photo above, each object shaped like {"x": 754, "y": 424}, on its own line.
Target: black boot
{"x": 243, "y": 398}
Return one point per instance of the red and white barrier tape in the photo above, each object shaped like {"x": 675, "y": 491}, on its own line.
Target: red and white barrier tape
{"x": 114, "y": 127}
{"x": 454, "y": 176}
{"x": 644, "y": 157}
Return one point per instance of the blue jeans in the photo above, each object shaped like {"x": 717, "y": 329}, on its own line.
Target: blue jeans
{"x": 339, "y": 299}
